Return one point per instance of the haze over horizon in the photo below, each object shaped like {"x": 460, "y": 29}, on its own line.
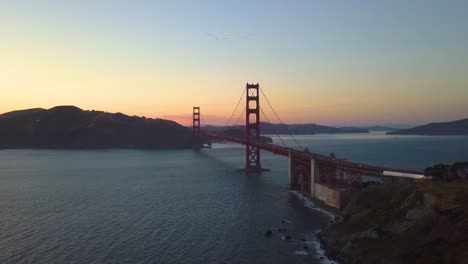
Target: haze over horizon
{"x": 324, "y": 62}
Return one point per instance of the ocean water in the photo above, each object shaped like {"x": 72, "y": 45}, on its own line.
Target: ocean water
{"x": 177, "y": 206}
{"x": 377, "y": 148}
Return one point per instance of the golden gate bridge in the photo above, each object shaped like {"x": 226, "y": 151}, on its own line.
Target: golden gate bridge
{"x": 308, "y": 171}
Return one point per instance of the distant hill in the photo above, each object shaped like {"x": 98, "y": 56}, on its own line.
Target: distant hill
{"x": 296, "y": 129}
{"x": 381, "y": 128}
{"x": 307, "y": 129}
{"x": 397, "y": 126}
{"x": 71, "y": 127}
{"x": 241, "y": 134}
{"x": 373, "y": 128}
{"x": 458, "y": 127}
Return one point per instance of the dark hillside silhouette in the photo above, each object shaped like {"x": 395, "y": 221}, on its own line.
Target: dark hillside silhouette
{"x": 296, "y": 129}
{"x": 457, "y": 127}
{"x": 71, "y": 127}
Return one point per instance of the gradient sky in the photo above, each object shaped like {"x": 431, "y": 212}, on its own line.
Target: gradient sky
{"x": 327, "y": 62}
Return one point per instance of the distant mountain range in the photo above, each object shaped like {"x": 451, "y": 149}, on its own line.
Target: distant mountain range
{"x": 295, "y": 129}
{"x": 374, "y": 128}
{"x": 241, "y": 134}
{"x": 396, "y": 126}
{"x": 71, "y": 127}
{"x": 458, "y": 127}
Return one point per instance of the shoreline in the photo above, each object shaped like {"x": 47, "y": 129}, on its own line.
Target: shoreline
{"x": 334, "y": 215}
{"x": 410, "y": 222}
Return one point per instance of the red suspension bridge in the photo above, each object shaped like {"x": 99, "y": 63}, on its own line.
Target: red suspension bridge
{"x": 307, "y": 170}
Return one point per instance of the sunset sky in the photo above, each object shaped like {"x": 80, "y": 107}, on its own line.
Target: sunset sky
{"x": 326, "y": 62}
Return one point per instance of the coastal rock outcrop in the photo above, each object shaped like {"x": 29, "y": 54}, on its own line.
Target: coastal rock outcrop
{"x": 402, "y": 223}
{"x": 444, "y": 172}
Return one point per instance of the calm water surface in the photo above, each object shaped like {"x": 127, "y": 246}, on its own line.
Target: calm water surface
{"x": 376, "y": 148}
{"x": 176, "y": 206}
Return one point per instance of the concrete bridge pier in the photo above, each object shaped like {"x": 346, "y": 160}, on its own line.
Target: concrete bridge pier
{"x": 291, "y": 171}
{"x": 301, "y": 176}
{"x": 306, "y": 180}
{"x": 313, "y": 173}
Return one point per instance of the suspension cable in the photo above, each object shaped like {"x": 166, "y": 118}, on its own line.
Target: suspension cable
{"x": 235, "y": 109}
{"x": 243, "y": 111}
{"x": 266, "y": 98}
{"x": 266, "y": 117}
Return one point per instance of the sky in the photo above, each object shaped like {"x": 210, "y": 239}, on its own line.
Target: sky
{"x": 327, "y": 62}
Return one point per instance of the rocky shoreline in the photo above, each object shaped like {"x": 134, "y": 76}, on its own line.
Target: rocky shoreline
{"x": 334, "y": 215}
{"x": 401, "y": 223}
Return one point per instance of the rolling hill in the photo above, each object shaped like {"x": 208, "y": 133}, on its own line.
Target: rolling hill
{"x": 71, "y": 127}
{"x": 458, "y": 127}
{"x": 296, "y": 129}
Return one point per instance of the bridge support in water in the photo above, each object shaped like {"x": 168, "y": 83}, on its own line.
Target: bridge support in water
{"x": 313, "y": 174}
{"x": 196, "y": 136}
{"x": 252, "y": 128}
{"x": 301, "y": 175}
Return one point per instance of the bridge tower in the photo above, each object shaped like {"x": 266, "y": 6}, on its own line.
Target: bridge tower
{"x": 252, "y": 128}
{"x": 196, "y": 136}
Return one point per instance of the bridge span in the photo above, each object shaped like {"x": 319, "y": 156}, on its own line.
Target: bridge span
{"x": 319, "y": 176}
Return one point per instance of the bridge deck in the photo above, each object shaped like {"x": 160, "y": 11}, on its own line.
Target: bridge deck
{"x": 306, "y": 156}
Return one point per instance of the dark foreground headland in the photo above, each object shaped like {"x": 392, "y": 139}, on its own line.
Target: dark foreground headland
{"x": 423, "y": 222}
{"x": 69, "y": 127}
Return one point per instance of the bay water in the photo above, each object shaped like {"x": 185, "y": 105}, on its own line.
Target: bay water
{"x": 178, "y": 206}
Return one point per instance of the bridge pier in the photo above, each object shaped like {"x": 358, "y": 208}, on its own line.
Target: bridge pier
{"x": 313, "y": 172}
{"x": 196, "y": 136}
{"x": 302, "y": 174}
{"x": 291, "y": 171}
{"x": 252, "y": 129}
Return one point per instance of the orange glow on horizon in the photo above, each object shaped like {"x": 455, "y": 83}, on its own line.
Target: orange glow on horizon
{"x": 163, "y": 73}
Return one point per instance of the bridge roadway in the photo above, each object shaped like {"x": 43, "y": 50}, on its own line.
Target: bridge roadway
{"x": 308, "y": 156}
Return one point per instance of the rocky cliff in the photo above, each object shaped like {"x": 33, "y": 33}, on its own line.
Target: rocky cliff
{"x": 403, "y": 223}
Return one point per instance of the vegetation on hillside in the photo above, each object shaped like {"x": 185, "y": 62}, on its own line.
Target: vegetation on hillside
{"x": 71, "y": 127}
{"x": 403, "y": 223}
